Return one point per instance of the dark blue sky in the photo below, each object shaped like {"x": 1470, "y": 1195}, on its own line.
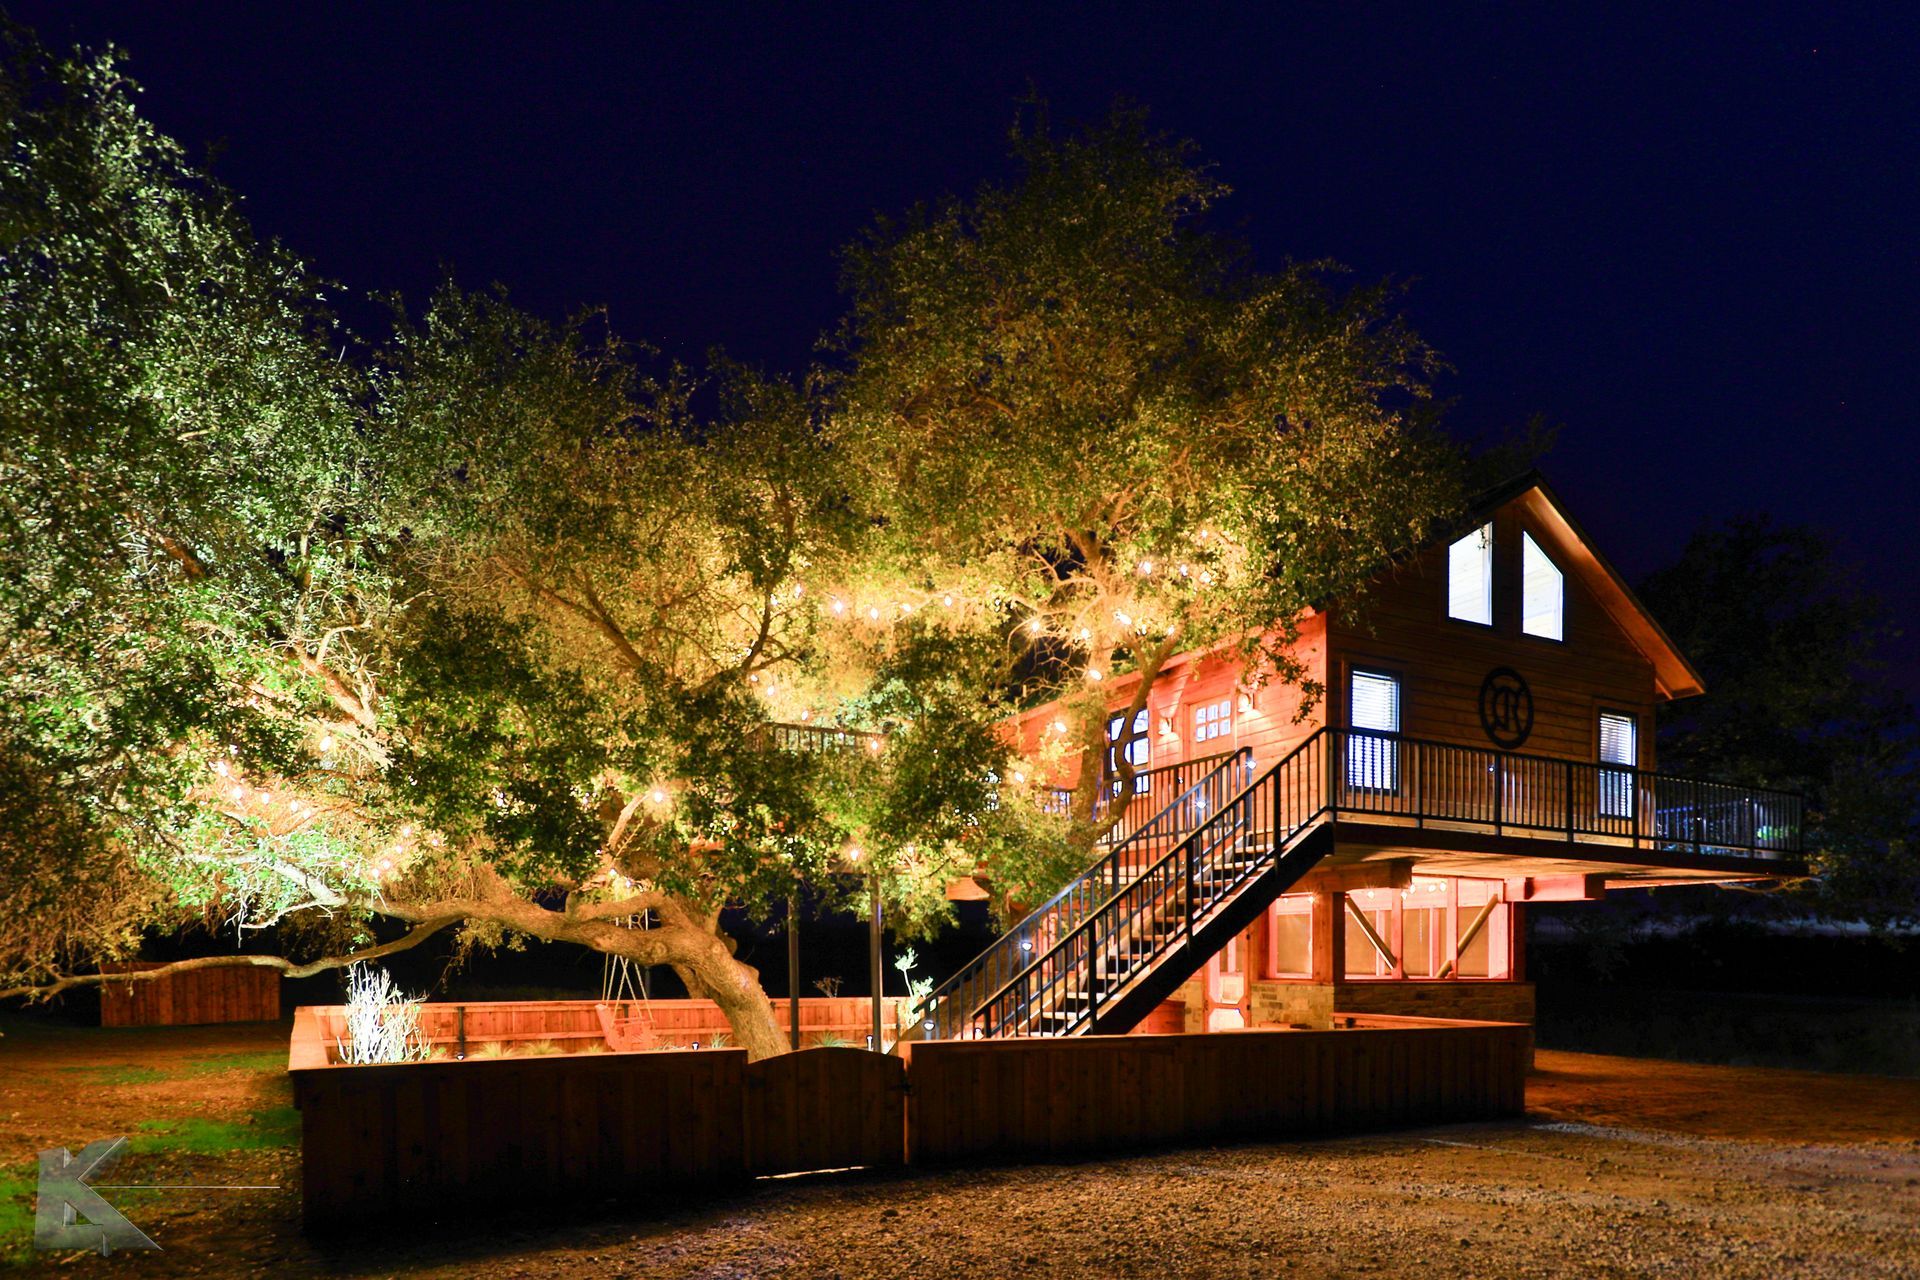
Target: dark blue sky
{"x": 1690, "y": 238}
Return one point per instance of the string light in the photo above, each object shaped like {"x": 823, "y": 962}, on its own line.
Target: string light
{"x": 1206, "y": 578}
{"x": 1019, "y": 775}
{"x": 947, "y": 601}
{"x": 220, "y": 767}
{"x": 1036, "y": 626}
{"x": 1094, "y": 674}
{"x": 873, "y": 613}
{"x": 326, "y": 743}
{"x": 839, "y": 605}
{"x": 657, "y": 796}
{"x": 799, "y": 589}
{"x": 1059, "y": 726}
{"x": 1146, "y": 568}
{"x": 1120, "y": 616}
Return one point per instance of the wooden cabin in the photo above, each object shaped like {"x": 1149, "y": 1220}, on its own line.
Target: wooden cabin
{"x": 1485, "y": 742}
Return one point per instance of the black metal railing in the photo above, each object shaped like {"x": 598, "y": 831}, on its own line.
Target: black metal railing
{"x": 1149, "y": 793}
{"x": 1102, "y": 933}
{"x": 1062, "y": 991}
{"x": 1412, "y": 779}
{"x": 1211, "y": 781}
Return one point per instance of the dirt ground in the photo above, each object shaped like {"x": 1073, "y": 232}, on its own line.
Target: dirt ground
{"x": 1622, "y": 1168}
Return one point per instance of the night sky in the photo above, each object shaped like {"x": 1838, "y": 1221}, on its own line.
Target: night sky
{"x": 1691, "y": 239}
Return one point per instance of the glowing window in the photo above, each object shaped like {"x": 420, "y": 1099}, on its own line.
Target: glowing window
{"x": 1470, "y": 577}
{"x": 1618, "y": 745}
{"x": 1134, "y": 742}
{"x": 1543, "y": 593}
{"x": 1373, "y": 706}
{"x": 1214, "y": 720}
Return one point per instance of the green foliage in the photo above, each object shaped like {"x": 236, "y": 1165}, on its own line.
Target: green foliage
{"x": 1089, "y": 433}
{"x": 1797, "y": 697}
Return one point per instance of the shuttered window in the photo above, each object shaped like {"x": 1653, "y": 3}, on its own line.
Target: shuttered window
{"x": 1543, "y": 592}
{"x": 1374, "y": 705}
{"x": 1470, "y": 577}
{"x": 1618, "y": 745}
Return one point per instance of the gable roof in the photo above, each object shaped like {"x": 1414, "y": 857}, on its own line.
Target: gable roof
{"x": 1674, "y": 676}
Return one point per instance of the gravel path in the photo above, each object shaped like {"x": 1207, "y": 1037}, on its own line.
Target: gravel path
{"x": 1625, "y": 1169}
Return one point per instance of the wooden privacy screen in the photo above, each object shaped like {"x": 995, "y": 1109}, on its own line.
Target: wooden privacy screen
{"x": 226, "y": 993}
{"x": 1072, "y": 1096}
{"x": 447, "y": 1139}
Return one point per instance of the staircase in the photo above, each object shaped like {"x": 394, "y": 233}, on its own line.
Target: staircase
{"x": 946, "y": 1012}
{"x": 1124, "y": 936}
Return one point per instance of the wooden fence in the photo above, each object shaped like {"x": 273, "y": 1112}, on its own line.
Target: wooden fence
{"x": 226, "y": 993}
{"x": 1073, "y": 1096}
{"x": 442, "y": 1139}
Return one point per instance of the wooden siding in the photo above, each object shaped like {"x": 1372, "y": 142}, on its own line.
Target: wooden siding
{"x": 227, "y": 993}
{"x": 1402, "y": 627}
{"x": 1049, "y": 1098}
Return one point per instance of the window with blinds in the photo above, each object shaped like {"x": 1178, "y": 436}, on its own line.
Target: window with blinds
{"x": 1470, "y": 577}
{"x": 1373, "y": 704}
{"x": 1543, "y": 593}
{"x": 1618, "y": 745}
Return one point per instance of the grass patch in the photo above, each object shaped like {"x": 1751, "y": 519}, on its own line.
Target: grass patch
{"x": 193, "y": 1135}
{"x": 274, "y": 1060}
{"x": 17, "y": 1185}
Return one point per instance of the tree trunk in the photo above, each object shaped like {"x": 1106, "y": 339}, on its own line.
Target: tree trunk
{"x": 735, "y": 988}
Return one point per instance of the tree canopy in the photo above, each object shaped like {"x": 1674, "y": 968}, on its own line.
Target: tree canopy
{"x": 1791, "y": 649}
{"x": 1088, "y": 418}
{"x": 488, "y": 625}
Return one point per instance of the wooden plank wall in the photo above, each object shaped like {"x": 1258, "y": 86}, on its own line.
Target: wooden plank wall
{"x": 445, "y": 1139}
{"x": 825, "y": 1109}
{"x": 229, "y": 993}
{"x": 1403, "y": 627}
{"x": 1061, "y": 1097}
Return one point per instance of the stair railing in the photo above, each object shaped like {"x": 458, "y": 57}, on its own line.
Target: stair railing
{"x": 946, "y": 1008}
{"x": 1063, "y": 989}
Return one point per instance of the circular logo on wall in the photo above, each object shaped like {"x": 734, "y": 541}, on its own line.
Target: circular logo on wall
{"x": 1506, "y": 707}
